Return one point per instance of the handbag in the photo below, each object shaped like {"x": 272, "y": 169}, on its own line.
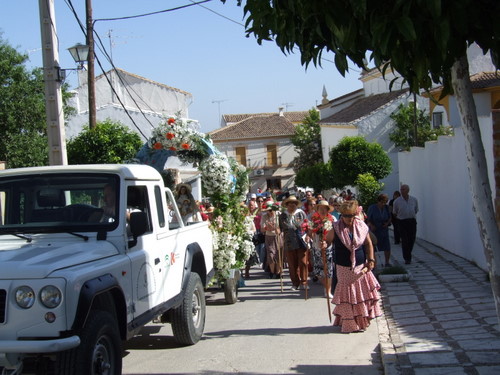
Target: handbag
{"x": 258, "y": 238}
{"x": 300, "y": 239}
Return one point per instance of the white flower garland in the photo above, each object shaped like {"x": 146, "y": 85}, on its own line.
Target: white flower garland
{"x": 216, "y": 174}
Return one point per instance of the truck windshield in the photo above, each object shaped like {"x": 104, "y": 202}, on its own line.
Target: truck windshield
{"x": 58, "y": 202}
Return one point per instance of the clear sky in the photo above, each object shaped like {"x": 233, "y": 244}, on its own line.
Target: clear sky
{"x": 201, "y": 49}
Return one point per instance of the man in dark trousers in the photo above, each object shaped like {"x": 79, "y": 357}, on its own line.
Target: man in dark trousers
{"x": 405, "y": 208}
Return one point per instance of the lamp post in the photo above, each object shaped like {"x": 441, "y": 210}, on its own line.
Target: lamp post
{"x": 80, "y": 53}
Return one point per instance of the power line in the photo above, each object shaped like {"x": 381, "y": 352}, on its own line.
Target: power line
{"x": 151, "y": 13}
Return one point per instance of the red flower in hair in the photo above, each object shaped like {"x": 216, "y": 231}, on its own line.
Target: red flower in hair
{"x": 171, "y": 121}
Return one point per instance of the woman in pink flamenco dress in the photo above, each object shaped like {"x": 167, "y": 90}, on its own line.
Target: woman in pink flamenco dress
{"x": 356, "y": 295}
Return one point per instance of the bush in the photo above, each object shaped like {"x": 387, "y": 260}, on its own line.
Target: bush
{"x": 368, "y": 189}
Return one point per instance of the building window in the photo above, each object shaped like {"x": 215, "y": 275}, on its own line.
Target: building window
{"x": 241, "y": 155}
{"x": 272, "y": 155}
{"x": 437, "y": 119}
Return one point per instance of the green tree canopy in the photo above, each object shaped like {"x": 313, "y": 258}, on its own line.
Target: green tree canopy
{"x": 22, "y": 110}
{"x": 354, "y": 156}
{"x": 318, "y": 176}
{"x": 403, "y": 134}
{"x": 109, "y": 142}
{"x": 307, "y": 142}
{"x": 420, "y": 39}
{"x": 369, "y": 189}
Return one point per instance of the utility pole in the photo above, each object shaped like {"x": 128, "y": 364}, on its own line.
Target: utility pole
{"x": 53, "y": 95}
{"x": 90, "y": 65}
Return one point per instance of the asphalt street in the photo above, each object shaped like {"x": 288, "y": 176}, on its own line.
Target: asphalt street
{"x": 266, "y": 332}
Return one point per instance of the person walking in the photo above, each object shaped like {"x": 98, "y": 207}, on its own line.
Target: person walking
{"x": 395, "y": 221}
{"x": 269, "y": 226}
{"x": 290, "y": 224}
{"x": 406, "y": 208}
{"x": 356, "y": 295}
{"x": 379, "y": 220}
{"x": 317, "y": 227}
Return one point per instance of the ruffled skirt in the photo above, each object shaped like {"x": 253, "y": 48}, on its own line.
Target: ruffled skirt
{"x": 356, "y": 299}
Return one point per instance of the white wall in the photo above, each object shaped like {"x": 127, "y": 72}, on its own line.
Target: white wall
{"x": 438, "y": 177}
{"x": 331, "y": 135}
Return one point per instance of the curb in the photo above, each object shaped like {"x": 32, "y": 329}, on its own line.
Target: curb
{"x": 387, "y": 350}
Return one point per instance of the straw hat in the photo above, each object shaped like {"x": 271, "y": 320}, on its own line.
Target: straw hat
{"x": 292, "y": 198}
{"x": 324, "y": 204}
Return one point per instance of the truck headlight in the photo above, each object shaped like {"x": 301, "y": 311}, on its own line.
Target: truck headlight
{"x": 25, "y": 297}
{"x": 50, "y": 296}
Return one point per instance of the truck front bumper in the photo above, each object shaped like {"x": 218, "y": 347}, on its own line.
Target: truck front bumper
{"x": 39, "y": 346}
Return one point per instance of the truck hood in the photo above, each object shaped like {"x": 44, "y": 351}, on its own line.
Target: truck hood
{"x": 20, "y": 260}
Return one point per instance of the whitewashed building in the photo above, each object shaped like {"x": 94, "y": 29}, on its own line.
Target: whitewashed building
{"x": 135, "y": 101}
{"x": 262, "y": 143}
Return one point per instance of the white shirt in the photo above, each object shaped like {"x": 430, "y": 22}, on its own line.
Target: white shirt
{"x": 405, "y": 209}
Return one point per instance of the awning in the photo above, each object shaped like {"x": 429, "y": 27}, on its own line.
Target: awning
{"x": 284, "y": 172}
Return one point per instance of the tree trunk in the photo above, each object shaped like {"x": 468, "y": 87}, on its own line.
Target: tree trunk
{"x": 482, "y": 201}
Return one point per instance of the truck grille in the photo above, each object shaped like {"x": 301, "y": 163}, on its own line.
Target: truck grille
{"x": 3, "y": 305}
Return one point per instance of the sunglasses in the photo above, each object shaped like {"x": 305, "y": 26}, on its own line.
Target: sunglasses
{"x": 349, "y": 216}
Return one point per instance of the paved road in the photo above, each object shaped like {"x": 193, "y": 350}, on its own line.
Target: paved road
{"x": 265, "y": 332}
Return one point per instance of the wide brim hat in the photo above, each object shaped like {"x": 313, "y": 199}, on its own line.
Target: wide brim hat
{"x": 268, "y": 205}
{"x": 324, "y": 204}
{"x": 292, "y": 198}
{"x": 187, "y": 186}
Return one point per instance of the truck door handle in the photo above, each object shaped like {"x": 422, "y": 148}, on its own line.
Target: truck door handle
{"x": 157, "y": 260}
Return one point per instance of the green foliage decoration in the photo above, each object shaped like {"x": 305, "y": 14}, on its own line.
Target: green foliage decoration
{"x": 108, "y": 143}
{"x": 403, "y": 135}
{"x": 354, "y": 156}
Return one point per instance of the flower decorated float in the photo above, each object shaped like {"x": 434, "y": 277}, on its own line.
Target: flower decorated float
{"x": 224, "y": 182}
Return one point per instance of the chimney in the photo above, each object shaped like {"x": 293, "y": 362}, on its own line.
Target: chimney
{"x": 281, "y": 111}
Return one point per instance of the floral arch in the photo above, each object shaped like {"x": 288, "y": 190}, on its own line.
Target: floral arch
{"x": 224, "y": 182}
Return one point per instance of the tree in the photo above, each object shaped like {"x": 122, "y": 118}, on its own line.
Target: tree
{"x": 403, "y": 134}
{"x": 354, "y": 156}
{"x": 317, "y": 176}
{"x": 368, "y": 189}
{"x": 109, "y": 142}
{"x": 307, "y": 142}
{"x": 423, "y": 41}
{"x": 22, "y": 111}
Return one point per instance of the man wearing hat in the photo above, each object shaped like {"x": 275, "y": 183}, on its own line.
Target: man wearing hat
{"x": 290, "y": 222}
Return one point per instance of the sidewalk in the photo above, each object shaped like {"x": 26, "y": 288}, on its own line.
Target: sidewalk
{"x": 441, "y": 322}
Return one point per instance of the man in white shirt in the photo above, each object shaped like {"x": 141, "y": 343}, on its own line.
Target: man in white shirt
{"x": 405, "y": 208}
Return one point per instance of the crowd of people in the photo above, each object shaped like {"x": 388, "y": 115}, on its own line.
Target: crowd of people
{"x": 332, "y": 242}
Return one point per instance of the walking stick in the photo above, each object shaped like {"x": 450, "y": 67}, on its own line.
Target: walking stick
{"x": 307, "y": 270}
{"x": 279, "y": 243}
{"x": 327, "y": 282}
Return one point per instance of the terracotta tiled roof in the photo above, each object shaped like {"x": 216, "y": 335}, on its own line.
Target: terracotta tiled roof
{"x": 482, "y": 80}
{"x": 295, "y": 117}
{"x": 255, "y": 127}
{"x": 363, "y": 107}
{"x": 121, "y": 71}
{"x": 485, "y": 80}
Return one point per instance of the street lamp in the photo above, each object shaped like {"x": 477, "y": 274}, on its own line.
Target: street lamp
{"x": 80, "y": 53}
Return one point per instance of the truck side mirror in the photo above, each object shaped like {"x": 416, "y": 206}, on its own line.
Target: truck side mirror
{"x": 138, "y": 225}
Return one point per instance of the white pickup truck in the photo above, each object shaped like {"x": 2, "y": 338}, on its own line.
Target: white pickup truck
{"x": 88, "y": 255}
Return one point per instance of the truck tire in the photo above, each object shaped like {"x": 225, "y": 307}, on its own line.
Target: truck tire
{"x": 231, "y": 290}
{"x": 188, "y": 320}
{"x": 100, "y": 350}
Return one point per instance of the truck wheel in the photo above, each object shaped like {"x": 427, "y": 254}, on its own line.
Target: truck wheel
{"x": 188, "y": 320}
{"x": 231, "y": 290}
{"x": 100, "y": 351}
